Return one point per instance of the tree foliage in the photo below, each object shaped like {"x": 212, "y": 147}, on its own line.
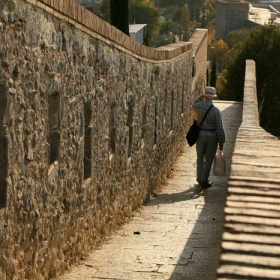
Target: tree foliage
{"x": 209, "y": 12}
{"x": 216, "y": 51}
{"x": 171, "y": 13}
{"x": 166, "y": 3}
{"x": 195, "y": 7}
{"x": 185, "y": 19}
{"x": 105, "y": 10}
{"x": 237, "y": 36}
{"x": 145, "y": 12}
{"x": 167, "y": 27}
{"x": 263, "y": 47}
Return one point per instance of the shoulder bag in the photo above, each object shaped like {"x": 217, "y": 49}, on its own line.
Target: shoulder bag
{"x": 193, "y": 132}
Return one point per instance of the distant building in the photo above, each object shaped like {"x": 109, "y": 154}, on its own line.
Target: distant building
{"x": 137, "y": 32}
{"x": 274, "y": 3}
{"x": 233, "y": 15}
{"x": 91, "y": 5}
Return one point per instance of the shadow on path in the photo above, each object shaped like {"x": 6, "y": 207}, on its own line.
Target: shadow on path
{"x": 199, "y": 259}
{"x": 204, "y": 242}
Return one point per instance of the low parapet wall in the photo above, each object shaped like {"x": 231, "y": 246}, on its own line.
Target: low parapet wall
{"x": 89, "y": 129}
{"x": 77, "y": 15}
{"x": 250, "y": 245}
{"x": 199, "y": 71}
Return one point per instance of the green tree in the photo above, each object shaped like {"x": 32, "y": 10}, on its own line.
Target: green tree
{"x": 208, "y": 18}
{"x": 209, "y": 8}
{"x": 166, "y": 3}
{"x": 145, "y": 12}
{"x": 119, "y": 15}
{"x": 237, "y": 36}
{"x": 263, "y": 47}
{"x": 233, "y": 89}
{"x": 194, "y": 8}
{"x": 166, "y": 27}
{"x": 185, "y": 21}
{"x": 171, "y": 13}
{"x": 105, "y": 10}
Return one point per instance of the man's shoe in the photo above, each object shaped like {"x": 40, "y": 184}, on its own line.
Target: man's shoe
{"x": 207, "y": 185}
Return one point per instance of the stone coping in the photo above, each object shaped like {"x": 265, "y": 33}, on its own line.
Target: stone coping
{"x": 250, "y": 243}
{"x": 80, "y": 17}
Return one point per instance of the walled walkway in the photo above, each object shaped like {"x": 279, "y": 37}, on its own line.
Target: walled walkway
{"x": 177, "y": 235}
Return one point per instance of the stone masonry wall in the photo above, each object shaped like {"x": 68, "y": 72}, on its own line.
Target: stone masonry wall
{"x": 89, "y": 129}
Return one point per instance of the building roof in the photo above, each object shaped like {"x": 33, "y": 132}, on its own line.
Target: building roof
{"x": 269, "y": 1}
{"x": 134, "y": 28}
{"x": 259, "y": 15}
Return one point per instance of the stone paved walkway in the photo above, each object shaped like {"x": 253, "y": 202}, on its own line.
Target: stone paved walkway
{"x": 177, "y": 235}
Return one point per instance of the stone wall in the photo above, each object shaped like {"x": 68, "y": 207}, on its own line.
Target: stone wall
{"x": 199, "y": 40}
{"x": 89, "y": 129}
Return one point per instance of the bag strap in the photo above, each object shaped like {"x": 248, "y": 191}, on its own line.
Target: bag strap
{"x": 205, "y": 115}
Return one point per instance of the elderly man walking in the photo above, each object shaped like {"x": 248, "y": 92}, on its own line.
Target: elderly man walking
{"x": 210, "y": 136}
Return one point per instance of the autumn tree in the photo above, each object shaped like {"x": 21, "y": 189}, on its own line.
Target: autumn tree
{"x": 216, "y": 51}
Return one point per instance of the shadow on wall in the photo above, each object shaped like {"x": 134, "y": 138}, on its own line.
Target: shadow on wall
{"x": 4, "y": 156}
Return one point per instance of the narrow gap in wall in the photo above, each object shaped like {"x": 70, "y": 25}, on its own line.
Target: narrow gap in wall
{"x": 165, "y": 105}
{"x": 112, "y": 129}
{"x": 183, "y": 99}
{"x": 155, "y": 123}
{"x": 130, "y": 128}
{"x": 87, "y": 140}
{"x": 54, "y": 131}
{"x": 3, "y": 145}
{"x": 144, "y": 122}
{"x": 172, "y": 110}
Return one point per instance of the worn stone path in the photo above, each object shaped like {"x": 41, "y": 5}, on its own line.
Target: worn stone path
{"x": 177, "y": 235}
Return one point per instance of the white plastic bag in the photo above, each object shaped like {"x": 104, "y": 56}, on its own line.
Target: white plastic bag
{"x": 219, "y": 167}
